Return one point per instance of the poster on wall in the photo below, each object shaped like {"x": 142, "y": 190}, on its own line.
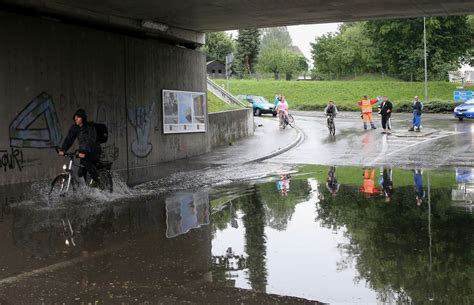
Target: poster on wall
{"x": 184, "y": 111}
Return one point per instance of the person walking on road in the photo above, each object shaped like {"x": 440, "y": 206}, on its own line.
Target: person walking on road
{"x": 366, "y": 105}
{"x": 417, "y": 108}
{"x": 386, "y": 111}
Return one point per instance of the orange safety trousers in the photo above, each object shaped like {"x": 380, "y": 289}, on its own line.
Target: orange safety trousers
{"x": 367, "y": 117}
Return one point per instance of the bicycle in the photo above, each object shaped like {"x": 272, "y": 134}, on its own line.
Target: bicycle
{"x": 289, "y": 120}
{"x": 331, "y": 125}
{"x": 66, "y": 180}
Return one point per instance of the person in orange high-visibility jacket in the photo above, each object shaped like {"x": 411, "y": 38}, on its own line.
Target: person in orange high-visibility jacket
{"x": 366, "y": 106}
{"x": 368, "y": 187}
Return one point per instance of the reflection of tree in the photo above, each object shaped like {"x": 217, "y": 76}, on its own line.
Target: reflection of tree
{"x": 261, "y": 205}
{"x": 390, "y": 245}
{"x": 254, "y": 222}
{"x": 280, "y": 209}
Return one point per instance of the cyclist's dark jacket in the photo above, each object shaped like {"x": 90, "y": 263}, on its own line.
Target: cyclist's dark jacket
{"x": 86, "y": 136}
{"x": 385, "y": 106}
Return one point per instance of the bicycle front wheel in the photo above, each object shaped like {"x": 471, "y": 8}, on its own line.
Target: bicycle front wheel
{"x": 58, "y": 187}
{"x": 291, "y": 121}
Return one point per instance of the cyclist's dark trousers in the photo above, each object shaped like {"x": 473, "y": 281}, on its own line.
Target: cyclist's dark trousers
{"x": 89, "y": 166}
{"x": 385, "y": 119}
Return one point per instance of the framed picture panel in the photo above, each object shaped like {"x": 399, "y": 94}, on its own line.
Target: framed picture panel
{"x": 184, "y": 111}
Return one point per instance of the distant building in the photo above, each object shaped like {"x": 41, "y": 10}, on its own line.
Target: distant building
{"x": 216, "y": 69}
{"x": 466, "y": 74}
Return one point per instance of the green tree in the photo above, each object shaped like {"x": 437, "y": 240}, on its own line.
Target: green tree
{"x": 276, "y": 37}
{"x": 218, "y": 45}
{"x": 279, "y": 61}
{"x": 247, "y": 49}
{"x": 470, "y": 22}
{"x": 400, "y": 43}
{"x": 327, "y": 54}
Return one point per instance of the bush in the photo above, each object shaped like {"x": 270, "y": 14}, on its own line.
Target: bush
{"x": 431, "y": 107}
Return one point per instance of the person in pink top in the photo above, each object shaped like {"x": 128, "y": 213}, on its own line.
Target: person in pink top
{"x": 282, "y": 108}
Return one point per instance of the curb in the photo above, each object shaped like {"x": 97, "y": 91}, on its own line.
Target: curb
{"x": 280, "y": 151}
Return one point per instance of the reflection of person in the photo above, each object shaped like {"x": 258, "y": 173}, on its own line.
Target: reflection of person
{"x": 368, "y": 186}
{"x": 331, "y": 182}
{"x": 366, "y": 106}
{"x": 387, "y": 183}
{"x": 283, "y": 185}
{"x": 419, "y": 191}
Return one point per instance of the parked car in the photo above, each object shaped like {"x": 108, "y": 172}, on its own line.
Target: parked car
{"x": 465, "y": 110}
{"x": 259, "y": 104}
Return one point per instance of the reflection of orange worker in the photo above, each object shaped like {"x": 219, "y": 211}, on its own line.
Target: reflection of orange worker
{"x": 369, "y": 183}
{"x": 366, "y": 106}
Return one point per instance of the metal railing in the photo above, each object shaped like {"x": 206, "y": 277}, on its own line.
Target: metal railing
{"x": 223, "y": 94}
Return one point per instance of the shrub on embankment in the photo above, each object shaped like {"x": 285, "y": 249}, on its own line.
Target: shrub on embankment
{"x": 314, "y": 95}
{"x": 430, "y": 107}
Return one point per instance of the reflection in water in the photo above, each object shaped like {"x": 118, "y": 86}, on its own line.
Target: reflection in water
{"x": 186, "y": 211}
{"x": 386, "y": 182}
{"x": 401, "y": 253}
{"x": 368, "y": 185}
{"x": 463, "y": 194}
{"x": 419, "y": 190}
{"x": 331, "y": 181}
{"x": 283, "y": 185}
{"x": 345, "y": 248}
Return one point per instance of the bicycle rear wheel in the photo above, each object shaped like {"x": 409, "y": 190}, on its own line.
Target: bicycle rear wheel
{"x": 58, "y": 187}
{"x": 291, "y": 121}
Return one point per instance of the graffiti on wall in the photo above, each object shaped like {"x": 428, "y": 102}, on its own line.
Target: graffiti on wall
{"x": 140, "y": 118}
{"x": 11, "y": 159}
{"x": 109, "y": 152}
{"x": 23, "y": 135}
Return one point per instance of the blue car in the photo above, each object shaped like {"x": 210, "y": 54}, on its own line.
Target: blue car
{"x": 465, "y": 110}
{"x": 259, "y": 104}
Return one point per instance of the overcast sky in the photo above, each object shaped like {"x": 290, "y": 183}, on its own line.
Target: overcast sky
{"x": 303, "y": 35}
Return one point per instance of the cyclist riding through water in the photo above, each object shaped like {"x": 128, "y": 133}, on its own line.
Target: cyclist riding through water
{"x": 89, "y": 148}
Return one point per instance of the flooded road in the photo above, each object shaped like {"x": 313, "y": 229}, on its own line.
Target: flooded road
{"x": 303, "y": 235}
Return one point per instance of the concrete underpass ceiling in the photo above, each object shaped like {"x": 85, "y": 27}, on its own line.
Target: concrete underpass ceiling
{"x": 215, "y": 15}
{"x": 193, "y": 16}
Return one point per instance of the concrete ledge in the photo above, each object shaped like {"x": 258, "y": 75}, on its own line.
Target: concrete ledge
{"x": 298, "y": 139}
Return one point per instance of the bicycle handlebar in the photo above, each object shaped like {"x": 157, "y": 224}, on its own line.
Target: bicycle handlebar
{"x": 68, "y": 155}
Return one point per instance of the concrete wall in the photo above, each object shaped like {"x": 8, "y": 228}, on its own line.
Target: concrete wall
{"x": 49, "y": 69}
{"x": 228, "y": 126}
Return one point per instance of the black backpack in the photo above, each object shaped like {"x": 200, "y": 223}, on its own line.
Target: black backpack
{"x": 102, "y": 132}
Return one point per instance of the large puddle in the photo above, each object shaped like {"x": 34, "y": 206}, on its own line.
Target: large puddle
{"x": 340, "y": 235}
